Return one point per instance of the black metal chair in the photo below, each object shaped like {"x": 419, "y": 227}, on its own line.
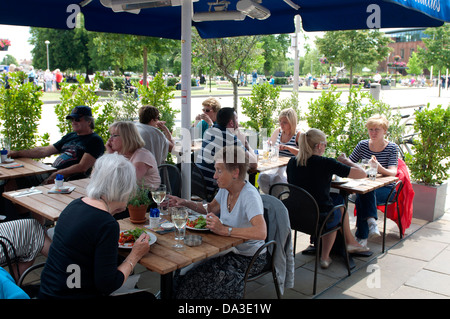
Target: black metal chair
{"x": 31, "y": 288}
{"x": 171, "y": 177}
{"x": 397, "y": 188}
{"x": 305, "y": 217}
{"x": 198, "y": 184}
{"x": 271, "y": 247}
{"x": 10, "y": 260}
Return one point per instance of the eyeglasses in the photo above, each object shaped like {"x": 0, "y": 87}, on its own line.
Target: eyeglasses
{"x": 206, "y": 110}
{"x": 76, "y": 120}
{"x": 323, "y": 143}
{"x": 114, "y": 135}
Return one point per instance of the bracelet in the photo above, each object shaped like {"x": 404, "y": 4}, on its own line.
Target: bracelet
{"x": 132, "y": 265}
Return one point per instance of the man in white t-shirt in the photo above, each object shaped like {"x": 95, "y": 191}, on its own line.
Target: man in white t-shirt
{"x": 377, "y": 78}
{"x": 154, "y": 132}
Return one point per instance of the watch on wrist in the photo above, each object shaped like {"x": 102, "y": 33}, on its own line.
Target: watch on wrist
{"x": 229, "y": 231}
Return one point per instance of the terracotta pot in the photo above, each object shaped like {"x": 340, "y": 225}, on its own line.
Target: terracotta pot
{"x": 137, "y": 213}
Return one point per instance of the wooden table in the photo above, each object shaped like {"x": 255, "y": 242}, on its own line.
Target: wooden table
{"x": 30, "y": 167}
{"x": 363, "y": 186}
{"x": 268, "y": 165}
{"x": 164, "y": 260}
{"x": 49, "y": 205}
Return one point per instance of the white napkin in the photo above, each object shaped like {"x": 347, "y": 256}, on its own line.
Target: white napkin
{"x": 128, "y": 286}
{"x": 31, "y": 191}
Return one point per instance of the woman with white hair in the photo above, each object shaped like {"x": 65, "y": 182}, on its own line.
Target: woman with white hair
{"x": 82, "y": 261}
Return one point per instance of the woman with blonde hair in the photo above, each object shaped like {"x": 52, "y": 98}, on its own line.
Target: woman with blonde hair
{"x": 126, "y": 140}
{"x": 313, "y": 172}
{"x": 385, "y": 154}
{"x": 285, "y": 137}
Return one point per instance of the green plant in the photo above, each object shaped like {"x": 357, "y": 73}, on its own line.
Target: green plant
{"x": 73, "y": 95}
{"x": 140, "y": 196}
{"x": 430, "y": 164}
{"x": 20, "y": 112}
{"x": 261, "y": 107}
{"x": 159, "y": 95}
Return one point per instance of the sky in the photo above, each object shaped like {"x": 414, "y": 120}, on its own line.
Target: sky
{"x": 20, "y": 48}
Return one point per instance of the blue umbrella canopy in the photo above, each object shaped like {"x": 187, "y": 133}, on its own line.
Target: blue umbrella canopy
{"x": 317, "y": 15}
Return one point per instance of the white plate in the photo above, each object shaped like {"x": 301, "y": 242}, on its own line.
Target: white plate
{"x": 130, "y": 245}
{"x": 192, "y": 218}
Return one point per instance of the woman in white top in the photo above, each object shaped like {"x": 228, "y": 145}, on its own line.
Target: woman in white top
{"x": 286, "y": 137}
{"x": 126, "y": 140}
{"x": 237, "y": 210}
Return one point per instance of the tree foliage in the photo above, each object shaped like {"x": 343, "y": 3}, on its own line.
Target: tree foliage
{"x": 354, "y": 47}
{"x": 437, "y": 48}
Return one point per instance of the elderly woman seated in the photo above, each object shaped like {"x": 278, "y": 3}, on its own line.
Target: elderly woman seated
{"x": 82, "y": 261}
{"x": 237, "y": 210}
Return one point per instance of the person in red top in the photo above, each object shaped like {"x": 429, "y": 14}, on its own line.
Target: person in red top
{"x": 58, "y": 78}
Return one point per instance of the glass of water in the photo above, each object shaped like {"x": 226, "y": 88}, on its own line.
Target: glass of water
{"x": 372, "y": 172}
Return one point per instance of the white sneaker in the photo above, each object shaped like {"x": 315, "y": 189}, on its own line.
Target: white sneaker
{"x": 373, "y": 230}
{"x": 362, "y": 242}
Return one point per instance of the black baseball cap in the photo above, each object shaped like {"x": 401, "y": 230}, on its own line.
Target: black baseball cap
{"x": 79, "y": 111}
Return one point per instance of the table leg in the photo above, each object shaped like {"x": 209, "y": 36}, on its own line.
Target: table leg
{"x": 166, "y": 286}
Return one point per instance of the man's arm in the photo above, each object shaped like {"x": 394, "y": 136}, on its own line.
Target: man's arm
{"x": 37, "y": 152}
{"x": 87, "y": 161}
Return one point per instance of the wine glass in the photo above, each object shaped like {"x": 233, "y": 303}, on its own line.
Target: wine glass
{"x": 164, "y": 213}
{"x": 158, "y": 194}
{"x": 179, "y": 218}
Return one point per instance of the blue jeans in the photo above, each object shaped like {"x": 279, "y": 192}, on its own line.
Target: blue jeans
{"x": 366, "y": 207}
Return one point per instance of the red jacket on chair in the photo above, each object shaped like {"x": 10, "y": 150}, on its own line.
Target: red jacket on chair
{"x": 405, "y": 198}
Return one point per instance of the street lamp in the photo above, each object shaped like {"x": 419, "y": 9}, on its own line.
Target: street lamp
{"x": 48, "y": 64}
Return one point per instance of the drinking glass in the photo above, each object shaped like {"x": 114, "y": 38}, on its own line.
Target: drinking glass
{"x": 179, "y": 218}
{"x": 159, "y": 194}
{"x": 164, "y": 211}
{"x": 372, "y": 171}
{"x": 365, "y": 164}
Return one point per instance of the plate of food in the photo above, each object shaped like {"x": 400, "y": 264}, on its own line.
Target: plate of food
{"x": 128, "y": 237}
{"x": 339, "y": 180}
{"x": 196, "y": 223}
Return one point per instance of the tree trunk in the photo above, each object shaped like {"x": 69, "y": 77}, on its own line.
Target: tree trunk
{"x": 351, "y": 77}
{"x": 145, "y": 55}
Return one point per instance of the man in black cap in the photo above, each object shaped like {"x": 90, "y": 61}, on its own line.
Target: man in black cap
{"x": 78, "y": 150}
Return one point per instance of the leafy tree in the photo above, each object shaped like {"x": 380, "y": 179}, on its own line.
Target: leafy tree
{"x": 437, "y": 48}
{"x": 354, "y": 47}
{"x": 275, "y": 50}
{"x": 261, "y": 107}
{"x": 9, "y": 59}
{"x": 228, "y": 55}
{"x": 415, "y": 65}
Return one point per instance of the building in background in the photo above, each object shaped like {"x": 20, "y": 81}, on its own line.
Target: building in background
{"x": 405, "y": 42}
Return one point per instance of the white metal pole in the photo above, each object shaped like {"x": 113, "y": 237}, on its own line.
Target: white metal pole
{"x": 296, "y": 48}
{"x": 186, "y": 42}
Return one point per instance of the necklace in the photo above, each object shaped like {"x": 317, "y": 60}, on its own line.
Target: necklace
{"x": 231, "y": 199}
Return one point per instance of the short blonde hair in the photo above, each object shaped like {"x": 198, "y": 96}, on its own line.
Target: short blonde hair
{"x": 131, "y": 139}
{"x": 377, "y": 120}
{"x": 291, "y": 116}
{"x": 213, "y": 103}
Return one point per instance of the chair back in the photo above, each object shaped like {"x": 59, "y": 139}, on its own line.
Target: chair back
{"x": 171, "y": 177}
{"x": 198, "y": 184}
{"x": 7, "y": 247}
{"x": 398, "y": 188}
{"x": 302, "y": 207}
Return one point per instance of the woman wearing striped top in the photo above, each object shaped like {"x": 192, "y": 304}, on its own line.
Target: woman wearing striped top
{"x": 377, "y": 149}
{"x": 286, "y": 136}
{"x": 28, "y": 237}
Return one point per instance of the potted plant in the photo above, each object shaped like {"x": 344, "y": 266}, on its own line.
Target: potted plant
{"x": 138, "y": 204}
{"x": 429, "y": 166}
{"x": 4, "y": 44}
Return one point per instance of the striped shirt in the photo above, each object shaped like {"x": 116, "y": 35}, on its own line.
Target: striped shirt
{"x": 214, "y": 140}
{"x": 292, "y": 142}
{"x": 387, "y": 157}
